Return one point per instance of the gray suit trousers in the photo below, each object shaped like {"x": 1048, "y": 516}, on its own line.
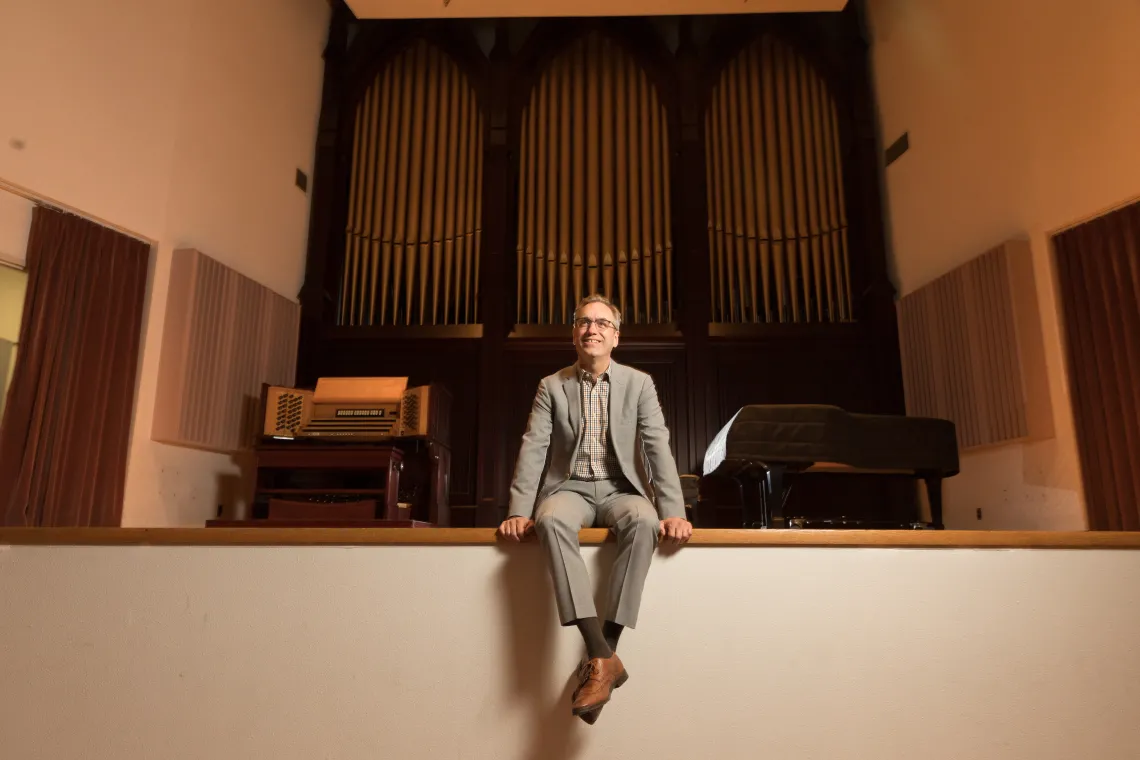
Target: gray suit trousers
{"x": 614, "y": 504}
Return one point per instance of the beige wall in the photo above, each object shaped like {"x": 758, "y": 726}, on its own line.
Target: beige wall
{"x": 184, "y": 123}
{"x": 359, "y": 653}
{"x": 1023, "y": 119}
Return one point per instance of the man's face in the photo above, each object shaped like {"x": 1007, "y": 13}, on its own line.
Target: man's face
{"x": 594, "y": 332}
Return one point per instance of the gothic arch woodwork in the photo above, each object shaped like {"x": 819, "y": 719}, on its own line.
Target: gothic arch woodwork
{"x": 636, "y": 37}
{"x": 374, "y": 45}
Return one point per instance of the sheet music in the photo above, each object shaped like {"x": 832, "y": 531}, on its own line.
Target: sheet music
{"x": 718, "y": 448}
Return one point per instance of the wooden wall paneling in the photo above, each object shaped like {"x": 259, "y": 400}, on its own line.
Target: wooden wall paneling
{"x": 315, "y": 296}
{"x": 498, "y": 181}
{"x": 871, "y": 278}
{"x": 526, "y": 363}
{"x": 690, "y": 213}
{"x": 666, "y": 364}
{"x": 792, "y": 371}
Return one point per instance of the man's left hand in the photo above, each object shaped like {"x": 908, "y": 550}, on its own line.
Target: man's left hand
{"x": 676, "y": 530}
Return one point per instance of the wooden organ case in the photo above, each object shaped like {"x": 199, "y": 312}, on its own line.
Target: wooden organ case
{"x": 365, "y": 451}
{"x": 717, "y": 176}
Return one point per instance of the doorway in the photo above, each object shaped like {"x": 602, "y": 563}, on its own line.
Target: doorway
{"x": 13, "y": 284}
{"x": 15, "y": 224}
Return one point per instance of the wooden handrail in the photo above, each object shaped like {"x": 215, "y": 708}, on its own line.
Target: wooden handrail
{"x": 932, "y": 539}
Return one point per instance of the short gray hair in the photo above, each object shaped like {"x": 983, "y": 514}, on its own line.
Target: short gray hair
{"x": 599, "y": 298}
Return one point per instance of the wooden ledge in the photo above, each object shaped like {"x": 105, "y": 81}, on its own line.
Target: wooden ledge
{"x": 947, "y": 539}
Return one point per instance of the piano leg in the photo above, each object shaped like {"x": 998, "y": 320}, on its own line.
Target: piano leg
{"x": 775, "y": 497}
{"x": 934, "y": 496}
{"x": 762, "y": 505}
{"x": 753, "y": 499}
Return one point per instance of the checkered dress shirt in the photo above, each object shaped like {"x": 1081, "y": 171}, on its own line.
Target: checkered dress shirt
{"x": 596, "y": 459}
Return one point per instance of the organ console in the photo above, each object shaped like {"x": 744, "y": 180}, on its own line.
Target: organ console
{"x": 352, "y": 452}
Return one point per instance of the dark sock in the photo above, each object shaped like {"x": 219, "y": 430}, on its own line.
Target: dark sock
{"x": 612, "y": 632}
{"x": 596, "y": 645}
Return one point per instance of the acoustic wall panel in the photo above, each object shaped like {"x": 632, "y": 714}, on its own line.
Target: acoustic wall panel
{"x": 225, "y": 335}
{"x": 973, "y": 352}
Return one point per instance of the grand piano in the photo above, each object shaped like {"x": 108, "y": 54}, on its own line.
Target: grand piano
{"x": 763, "y": 447}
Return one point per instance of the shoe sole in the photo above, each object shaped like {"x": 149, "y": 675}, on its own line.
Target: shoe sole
{"x": 621, "y": 679}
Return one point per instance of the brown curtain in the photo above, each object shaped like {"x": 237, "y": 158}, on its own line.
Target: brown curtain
{"x": 1098, "y": 269}
{"x": 64, "y": 436}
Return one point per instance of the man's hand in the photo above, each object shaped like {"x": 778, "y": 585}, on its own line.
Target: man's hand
{"x": 676, "y": 530}
{"x": 516, "y": 528}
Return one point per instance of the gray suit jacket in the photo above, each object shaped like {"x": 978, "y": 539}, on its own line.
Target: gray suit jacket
{"x": 637, "y": 431}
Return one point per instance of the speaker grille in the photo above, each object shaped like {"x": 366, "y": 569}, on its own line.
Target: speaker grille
{"x": 410, "y": 413}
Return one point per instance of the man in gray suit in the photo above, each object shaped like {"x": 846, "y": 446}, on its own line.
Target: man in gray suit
{"x": 596, "y": 452}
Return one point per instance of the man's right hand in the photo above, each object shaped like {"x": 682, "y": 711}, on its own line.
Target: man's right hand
{"x": 516, "y": 528}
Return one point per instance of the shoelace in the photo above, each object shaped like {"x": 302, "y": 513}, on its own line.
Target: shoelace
{"x": 585, "y": 670}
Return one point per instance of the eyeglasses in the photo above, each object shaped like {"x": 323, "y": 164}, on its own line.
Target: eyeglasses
{"x": 602, "y": 324}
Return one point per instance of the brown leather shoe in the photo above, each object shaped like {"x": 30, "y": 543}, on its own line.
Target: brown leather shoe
{"x": 599, "y": 678}
{"x": 592, "y": 716}
{"x": 582, "y": 674}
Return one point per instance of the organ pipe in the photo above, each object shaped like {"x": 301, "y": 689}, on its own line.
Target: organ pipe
{"x": 413, "y": 231}
{"x": 777, "y": 227}
{"x": 593, "y": 211}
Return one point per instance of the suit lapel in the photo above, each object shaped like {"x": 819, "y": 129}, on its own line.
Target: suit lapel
{"x": 617, "y": 391}
{"x": 573, "y": 399}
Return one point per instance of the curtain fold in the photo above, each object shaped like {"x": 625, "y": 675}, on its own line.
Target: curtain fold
{"x": 1098, "y": 272}
{"x": 66, "y": 425}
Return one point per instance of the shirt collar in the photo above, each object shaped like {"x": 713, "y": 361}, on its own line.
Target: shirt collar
{"x": 583, "y": 375}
